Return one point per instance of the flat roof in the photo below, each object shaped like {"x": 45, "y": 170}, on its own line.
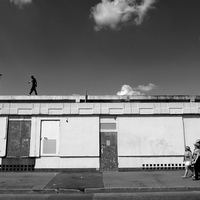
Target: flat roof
{"x": 98, "y": 98}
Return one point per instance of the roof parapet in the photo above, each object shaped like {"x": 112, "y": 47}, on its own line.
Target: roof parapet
{"x": 103, "y": 98}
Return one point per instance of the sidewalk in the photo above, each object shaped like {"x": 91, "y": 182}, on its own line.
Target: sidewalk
{"x": 140, "y": 181}
{"x": 95, "y": 182}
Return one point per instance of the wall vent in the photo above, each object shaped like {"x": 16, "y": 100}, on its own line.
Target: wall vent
{"x": 16, "y": 168}
{"x": 170, "y": 166}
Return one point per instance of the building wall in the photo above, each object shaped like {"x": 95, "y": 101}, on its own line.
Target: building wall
{"x": 3, "y": 135}
{"x": 191, "y": 124}
{"x": 41, "y": 108}
{"x": 78, "y": 143}
{"x": 79, "y": 136}
{"x": 149, "y": 134}
{"x": 150, "y": 138}
{"x": 142, "y": 140}
{"x": 150, "y": 162}
{"x": 67, "y": 163}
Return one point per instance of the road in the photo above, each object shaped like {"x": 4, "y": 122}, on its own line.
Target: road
{"x": 46, "y": 196}
{"x": 107, "y": 196}
{"x": 149, "y": 196}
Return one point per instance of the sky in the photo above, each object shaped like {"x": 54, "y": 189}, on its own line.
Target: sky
{"x": 118, "y": 47}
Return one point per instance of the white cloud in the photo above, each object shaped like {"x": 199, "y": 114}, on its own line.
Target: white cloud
{"x": 147, "y": 88}
{"x": 21, "y": 3}
{"x": 127, "y": 90}
{"x": 115, "y": 13}
{"x": 142, "y": 10}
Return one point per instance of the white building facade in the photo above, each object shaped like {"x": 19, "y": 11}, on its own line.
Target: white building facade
{"x": 96, "y": 132}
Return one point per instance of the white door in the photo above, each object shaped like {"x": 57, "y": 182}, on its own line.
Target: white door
{"x": 49, "y": 137}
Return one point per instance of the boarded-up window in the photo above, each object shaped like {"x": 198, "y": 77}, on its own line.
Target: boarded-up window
{"x": 108, "y": 124}
{"x": 49, "y": 147}
{"x": 191, "y": 129}
{"x": 50, "y": 135}
{"x": 18, "y": 138}
{"x": 150, "y": 135}
{"x": 80, "y": 136}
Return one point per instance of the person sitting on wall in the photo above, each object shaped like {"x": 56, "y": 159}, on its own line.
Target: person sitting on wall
{"x": 188, "y": 161}
{"x": 196, "y": 160}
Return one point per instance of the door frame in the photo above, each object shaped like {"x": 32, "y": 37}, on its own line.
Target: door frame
{"x": 108, "y": 124}
{"x": 42, "y": 139}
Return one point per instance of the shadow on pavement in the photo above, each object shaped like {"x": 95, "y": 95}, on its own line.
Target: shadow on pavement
{"x": 78, "y": 181}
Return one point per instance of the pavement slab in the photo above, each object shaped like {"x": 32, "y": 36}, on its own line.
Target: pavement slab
{"x": 25, "y": 180}
{"x": 24, "y": 196}
{"x": 78, "y": 181}
{"x": 71, "y": 197}
{"x": 156, "y": 179}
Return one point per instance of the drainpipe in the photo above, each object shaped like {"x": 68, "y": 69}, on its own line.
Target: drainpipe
{"x": 184, "y": 132}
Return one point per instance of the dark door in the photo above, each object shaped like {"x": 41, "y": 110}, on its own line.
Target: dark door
{"x": 18, "y": 143}
{"x": 108, "y": 160}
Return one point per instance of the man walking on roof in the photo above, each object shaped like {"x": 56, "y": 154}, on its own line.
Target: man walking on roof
{"x": 34, "y": 85}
